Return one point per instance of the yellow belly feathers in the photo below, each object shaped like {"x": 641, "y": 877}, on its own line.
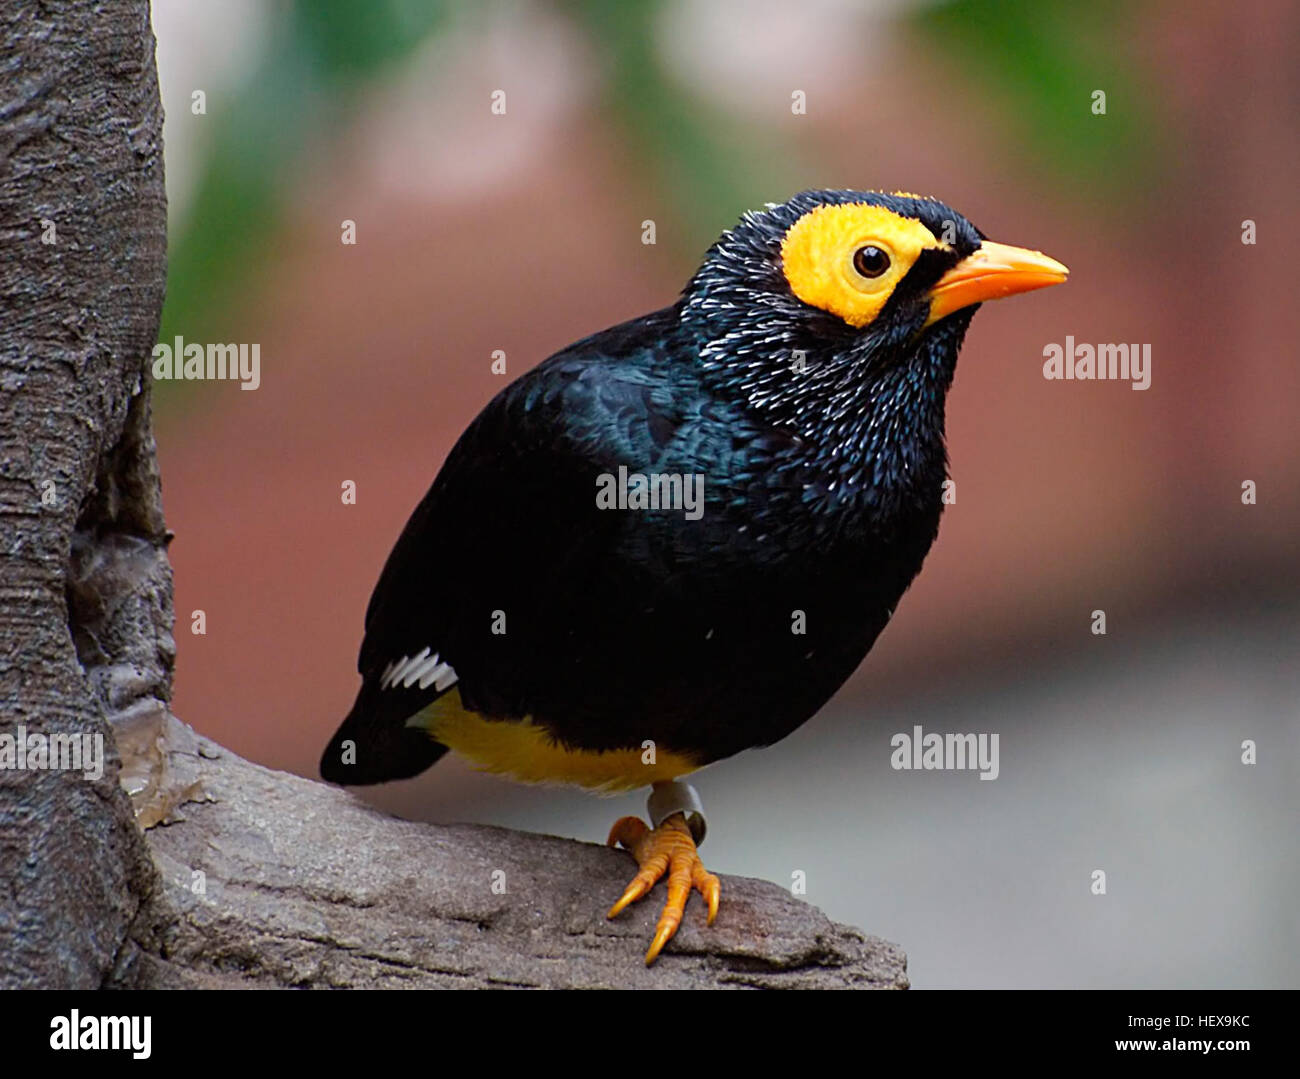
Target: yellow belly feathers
{"x": 529, "y": 754}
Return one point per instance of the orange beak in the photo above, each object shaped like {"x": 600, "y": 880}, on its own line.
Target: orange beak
{"x": 993, "y": 271}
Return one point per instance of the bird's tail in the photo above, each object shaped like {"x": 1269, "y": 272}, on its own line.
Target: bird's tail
{"x": 374, "y": 744}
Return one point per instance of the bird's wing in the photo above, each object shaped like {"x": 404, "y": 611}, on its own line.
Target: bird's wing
{"x": 486, "y": 567}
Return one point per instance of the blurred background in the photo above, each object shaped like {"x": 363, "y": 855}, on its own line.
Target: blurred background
{"x": 522, "y": 232}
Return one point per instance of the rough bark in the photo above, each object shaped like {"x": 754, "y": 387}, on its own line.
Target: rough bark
{"x": 85, "y": 603}
{"x": 183, "y": 865}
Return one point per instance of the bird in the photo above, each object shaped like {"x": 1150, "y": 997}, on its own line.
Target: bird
{"x": 675, "y": 539}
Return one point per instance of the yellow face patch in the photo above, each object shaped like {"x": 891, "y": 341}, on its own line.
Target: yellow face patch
{"x": 527, "y": 753}
{"x": 826, "y": 251}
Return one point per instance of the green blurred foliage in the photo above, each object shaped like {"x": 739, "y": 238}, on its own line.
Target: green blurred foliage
{"x": 1042, "y": 58}
{"x": 349, "y": 39}
{"x": 318, "y": 57}
{"x": 711, "y": 167}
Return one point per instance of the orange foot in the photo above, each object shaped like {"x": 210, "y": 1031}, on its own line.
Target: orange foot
{"x": 668, "y": 848}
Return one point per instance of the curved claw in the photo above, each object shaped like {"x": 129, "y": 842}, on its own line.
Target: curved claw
{"x": 669, "y": 849}
{"x": 628, "y": 831}
{"x": 709, "y": 887}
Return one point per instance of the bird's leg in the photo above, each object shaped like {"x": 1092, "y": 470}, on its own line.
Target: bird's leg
{"x": 669, "y": 847}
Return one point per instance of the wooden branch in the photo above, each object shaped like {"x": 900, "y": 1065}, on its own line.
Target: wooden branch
{"x": 272, "y": 880}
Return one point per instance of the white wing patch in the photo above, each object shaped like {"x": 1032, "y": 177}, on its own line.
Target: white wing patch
{"x": 424, "y": 670}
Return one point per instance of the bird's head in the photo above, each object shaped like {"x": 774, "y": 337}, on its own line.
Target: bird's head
{"x": 821, "y": 307}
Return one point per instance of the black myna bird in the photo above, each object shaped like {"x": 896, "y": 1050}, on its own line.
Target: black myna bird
{"x": 677, "y": 538}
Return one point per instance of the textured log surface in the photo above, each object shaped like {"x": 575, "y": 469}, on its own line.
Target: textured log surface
{"x": 85, "y": 587}
{"x": 272, "y": 880}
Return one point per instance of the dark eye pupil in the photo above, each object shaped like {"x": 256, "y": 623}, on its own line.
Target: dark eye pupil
{"x": 870, "y": 261}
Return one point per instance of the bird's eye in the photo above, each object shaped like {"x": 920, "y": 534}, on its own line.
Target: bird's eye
{"x": 870, "y": 261}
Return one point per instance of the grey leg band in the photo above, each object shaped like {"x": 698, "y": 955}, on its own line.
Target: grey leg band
{"x": 677, "y": 797}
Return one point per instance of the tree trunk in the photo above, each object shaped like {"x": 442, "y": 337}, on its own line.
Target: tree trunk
{"x": 85, "y": 604}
